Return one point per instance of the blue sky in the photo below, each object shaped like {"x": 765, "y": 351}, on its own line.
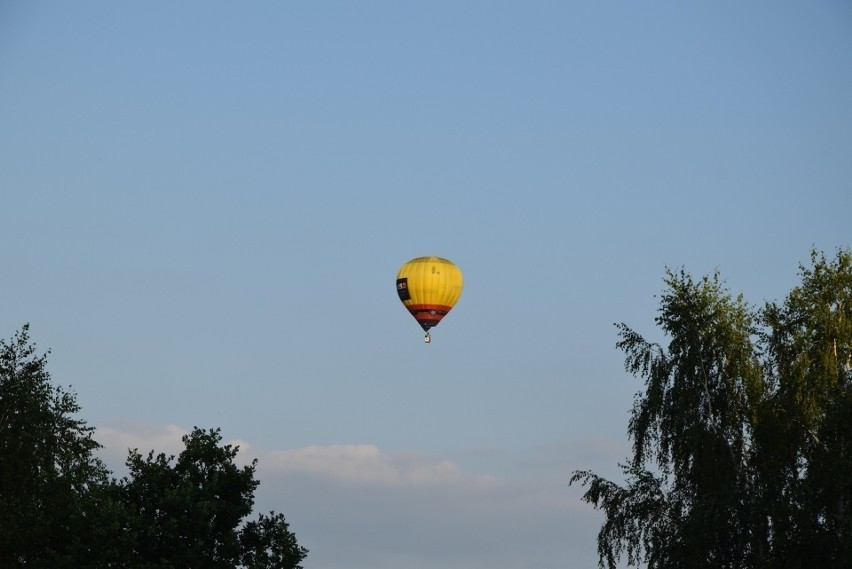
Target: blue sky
{"x": 205, "y": 205}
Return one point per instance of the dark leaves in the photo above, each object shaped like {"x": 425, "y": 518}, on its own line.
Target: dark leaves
{"x": 59, "y": 508}
{"x": 742, "y": 436}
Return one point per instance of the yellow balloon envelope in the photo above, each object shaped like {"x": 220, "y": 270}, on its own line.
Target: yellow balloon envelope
{"x": 429, "y": 287}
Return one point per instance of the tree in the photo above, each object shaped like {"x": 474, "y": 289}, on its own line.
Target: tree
{"x": 741, "y": 438}
{"x": 50, "y": 482}
{"x": 806, "y": 444}
{"x": 268, "y": 544}
{"x": 60, "y": 506}
{"x": 189, "y": 512}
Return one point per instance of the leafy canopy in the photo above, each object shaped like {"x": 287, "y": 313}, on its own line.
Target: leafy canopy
{"x": 60, "y": 507}
{"x": 742, "y": 436}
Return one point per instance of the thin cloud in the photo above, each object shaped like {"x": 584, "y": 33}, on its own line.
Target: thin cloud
{"x": 357, "y": 507}
{"x": 119, "y": 438}
{"x": 366, "y": 464}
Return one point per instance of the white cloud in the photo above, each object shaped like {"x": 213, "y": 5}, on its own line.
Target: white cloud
{"x": 366, "y": 464}
{"x": 357, "y": 507}
{"x": 120, "y": 437}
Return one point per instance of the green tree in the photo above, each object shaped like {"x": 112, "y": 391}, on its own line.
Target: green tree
{"x": 189, "y": 511}
{"x": 741, "y": 437}
{"x": 268, "y": 544}
{"x": 805, "y": 445}
{"x": 52, "y": 489}
{"x": 60, "y": 506}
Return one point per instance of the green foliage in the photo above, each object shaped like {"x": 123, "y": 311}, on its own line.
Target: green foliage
{"x": 741, "y": 437}
{"x": 46, "y": 465}
{"x": 806, "y": 445}
{"x": 188, "y": 512}
{"x": 59, "y": 506}
{"x": 268, "y": 543}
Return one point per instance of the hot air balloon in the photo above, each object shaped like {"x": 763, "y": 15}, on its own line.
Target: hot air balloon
{"x": 429, "y": 287}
